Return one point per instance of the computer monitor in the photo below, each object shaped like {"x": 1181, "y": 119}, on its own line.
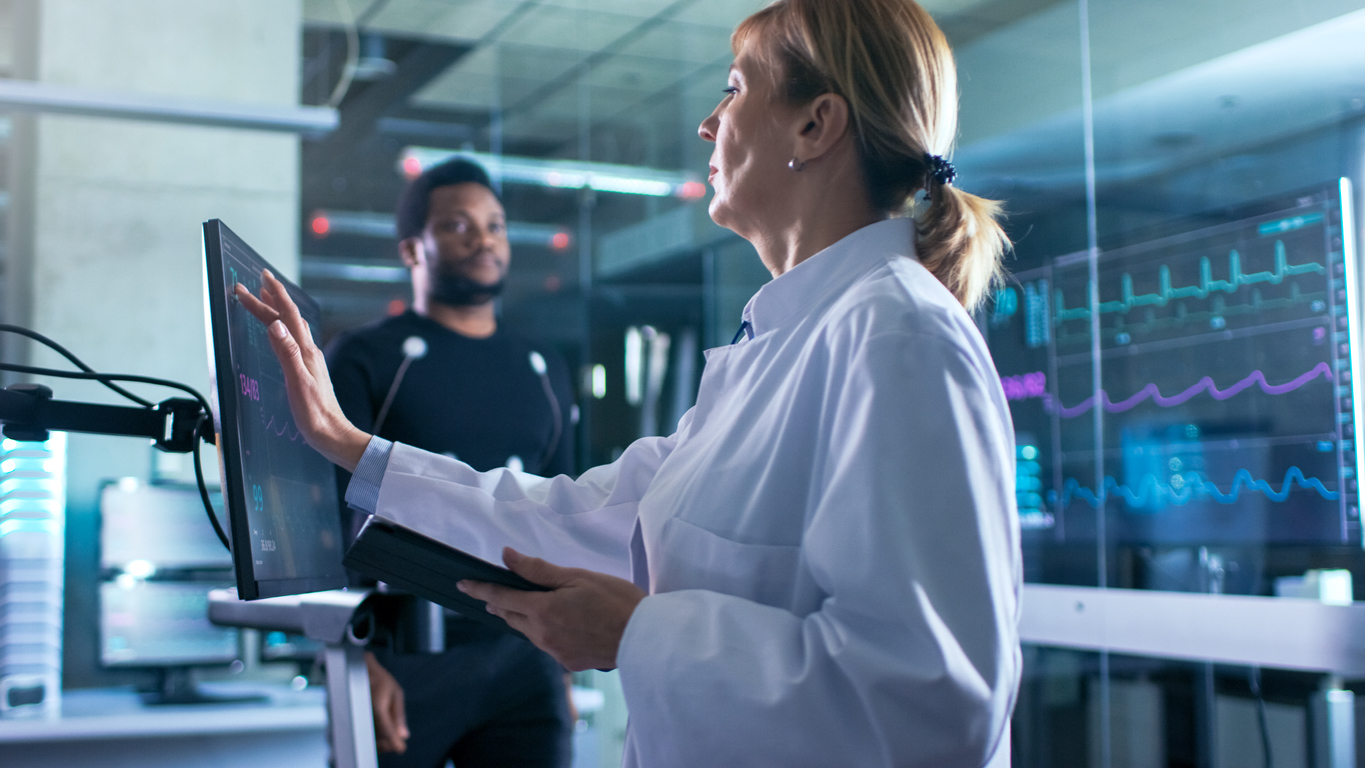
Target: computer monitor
{"x": 281, "y": 494}
{"x": 159, "y": 527}
{"x": 161, "y": 624}
{"x": 165, "y": 626}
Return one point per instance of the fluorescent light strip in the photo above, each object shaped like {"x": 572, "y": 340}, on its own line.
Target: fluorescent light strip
{"x": 370, "y": 224}
{"x": 563, "y": 174}
{"x": 358, "y": 273}
{"x": 27, "y": 96}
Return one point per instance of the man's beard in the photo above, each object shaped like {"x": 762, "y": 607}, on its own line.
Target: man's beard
{"x": 455, "y": 290}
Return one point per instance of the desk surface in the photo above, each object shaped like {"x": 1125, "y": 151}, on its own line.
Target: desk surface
{"x": 120, "y": 714}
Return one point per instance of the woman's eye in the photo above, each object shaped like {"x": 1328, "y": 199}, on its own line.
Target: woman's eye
{"x": 731, "y": 90}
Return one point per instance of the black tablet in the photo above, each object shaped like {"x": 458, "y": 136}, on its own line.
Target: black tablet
{"x": 428, "y": 568}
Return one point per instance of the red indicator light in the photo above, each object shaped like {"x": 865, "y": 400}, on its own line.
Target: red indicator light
{"x": 397, "y": 307}
{"x": 321, "y": 226}
{"x": 691, "y": 190}
{"x": 412, "y": 166}
{"x": 560, "y": 241}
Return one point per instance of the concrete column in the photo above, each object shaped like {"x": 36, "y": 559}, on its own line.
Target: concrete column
{"x": 105, "y": 242}
{"x": 109, "y": 250}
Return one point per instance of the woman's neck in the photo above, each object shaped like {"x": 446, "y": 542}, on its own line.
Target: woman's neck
{"x": 821, "y": 209}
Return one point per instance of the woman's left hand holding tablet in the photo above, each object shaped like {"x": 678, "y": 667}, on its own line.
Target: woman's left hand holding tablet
{"x": 579, "y": 622}
{"x": 311, "y": 399}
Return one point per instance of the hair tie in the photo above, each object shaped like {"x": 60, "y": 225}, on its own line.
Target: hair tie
{"x": 940, "y": 170}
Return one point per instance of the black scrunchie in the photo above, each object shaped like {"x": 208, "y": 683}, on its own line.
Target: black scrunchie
{"x": 940, "y": 170}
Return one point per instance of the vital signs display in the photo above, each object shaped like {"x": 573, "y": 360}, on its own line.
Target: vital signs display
{"x": 1196, "y": 388}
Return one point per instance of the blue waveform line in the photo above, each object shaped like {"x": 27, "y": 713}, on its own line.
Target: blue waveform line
{"x": 1207, "y": 285}
{"x": 1193, "y": 487}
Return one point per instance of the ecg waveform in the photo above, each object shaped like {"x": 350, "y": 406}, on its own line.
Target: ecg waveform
{"x": 1190, "y": 489}
{"x": 285, "y": 430}
{"x": 1321, "y": 370}
{"x": 1207, "y": 285}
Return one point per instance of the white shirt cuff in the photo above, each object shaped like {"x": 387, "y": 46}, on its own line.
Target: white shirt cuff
{"x": 363, "y": 491}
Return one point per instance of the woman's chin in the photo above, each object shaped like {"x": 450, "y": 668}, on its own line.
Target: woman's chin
{"x": 720, "y": 212}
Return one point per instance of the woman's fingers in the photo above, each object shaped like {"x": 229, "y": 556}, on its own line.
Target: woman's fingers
{"x": 312, "y": 403}
{"x": 282, "y": 341}
{"x": 259, "y": 309}
{"x": 297, "y": 377}
{"x": 536, "y": 570}
{"x": 579, "y": 622}
{"x": 501, "y": 600}
{"x": 288, "y": 312}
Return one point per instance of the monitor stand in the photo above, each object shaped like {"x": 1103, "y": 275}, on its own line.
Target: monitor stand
{"x": 178, "y": 688}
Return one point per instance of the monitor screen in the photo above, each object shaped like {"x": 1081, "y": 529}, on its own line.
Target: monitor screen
{"x": 160, "y": 525}
{"x": 281, "y": 494}
{"x": 1206, "y": 395}
{"x": 161, "y": 624}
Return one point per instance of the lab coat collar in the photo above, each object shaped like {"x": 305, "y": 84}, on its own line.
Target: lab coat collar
{"x": 828, "y": 273}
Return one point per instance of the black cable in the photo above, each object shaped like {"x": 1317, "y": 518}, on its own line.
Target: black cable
{"x": 1254, "y": 680}
{"x": 76, "y": 361}
{"x": 203, "y": 487}
{"x": 199, "y": 433}
{"x": 108, "y": 377}
{"x": 558, "y": 416}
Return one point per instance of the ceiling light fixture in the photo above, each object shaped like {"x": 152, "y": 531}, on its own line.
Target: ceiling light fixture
{"x": 563, "y": 174}
{"x": 325, "y": 223}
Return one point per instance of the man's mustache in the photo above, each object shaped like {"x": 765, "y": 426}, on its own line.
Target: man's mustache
{"x": 482, "y": 252}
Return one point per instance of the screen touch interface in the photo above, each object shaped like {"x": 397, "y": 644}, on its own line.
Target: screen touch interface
{"x": 285, "y": 490}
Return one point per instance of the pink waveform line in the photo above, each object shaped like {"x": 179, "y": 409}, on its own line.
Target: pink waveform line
{"x": 1204, "y": 384}
{"x": 280, "y": 432}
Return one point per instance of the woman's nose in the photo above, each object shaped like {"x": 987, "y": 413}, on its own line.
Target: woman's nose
{"x": 707, "y": 129}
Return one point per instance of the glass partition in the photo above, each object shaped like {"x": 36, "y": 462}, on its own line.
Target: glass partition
{"x": 1021, "y": 142}
{"x": 1179, "y": 343}
{"x": 1177, "y": 337}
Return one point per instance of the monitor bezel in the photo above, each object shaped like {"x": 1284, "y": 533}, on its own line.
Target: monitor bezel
{"x": 226, "y": 426}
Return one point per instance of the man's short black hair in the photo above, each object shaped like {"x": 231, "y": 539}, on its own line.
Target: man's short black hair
{"x": 415, "y": 203}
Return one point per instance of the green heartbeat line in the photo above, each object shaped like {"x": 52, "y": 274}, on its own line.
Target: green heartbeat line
{"x": 1207, "y": 285}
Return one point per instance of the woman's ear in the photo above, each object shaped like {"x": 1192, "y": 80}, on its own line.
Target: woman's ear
{"x": 823, "y": 124}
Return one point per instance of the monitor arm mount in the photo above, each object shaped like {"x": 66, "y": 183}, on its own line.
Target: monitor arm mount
{"x": 28, "y": 412}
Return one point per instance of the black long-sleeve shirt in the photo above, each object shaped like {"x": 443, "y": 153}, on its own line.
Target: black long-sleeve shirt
{"x": 478, "y": 400}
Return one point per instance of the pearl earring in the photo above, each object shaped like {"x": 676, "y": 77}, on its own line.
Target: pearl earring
{"x": 796, "y": 165}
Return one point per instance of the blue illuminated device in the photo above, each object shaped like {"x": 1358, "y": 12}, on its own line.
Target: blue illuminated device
{"x": 1208, "y": 393}
{"x": 280, "y": 494}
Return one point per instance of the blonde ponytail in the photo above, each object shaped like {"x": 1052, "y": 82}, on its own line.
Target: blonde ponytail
{"x": 891, "y": 63}
{"x": 961, "y": 243}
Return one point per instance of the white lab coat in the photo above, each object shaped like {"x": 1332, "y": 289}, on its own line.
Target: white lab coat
{"x": 829, "y": 540}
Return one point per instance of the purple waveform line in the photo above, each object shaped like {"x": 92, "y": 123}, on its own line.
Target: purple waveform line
{"x": 1206, "y": 383}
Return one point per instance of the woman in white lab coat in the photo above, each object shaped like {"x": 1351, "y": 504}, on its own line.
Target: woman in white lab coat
{"x": 821, "y": 565}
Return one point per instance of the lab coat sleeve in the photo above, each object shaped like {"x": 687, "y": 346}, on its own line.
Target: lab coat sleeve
{"x": 583, "y": 523}
{"x": 912, "y": 658}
